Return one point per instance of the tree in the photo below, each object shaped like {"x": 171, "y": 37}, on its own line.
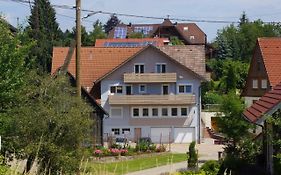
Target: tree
{"x": 97, "y": 32}
{"x": 193, "y": 157}
{"x": 136, "y": 35}
{"x": 176, "y": 41}
{"x": 111, "y": 23}
{"x": 44, "y": 29}
{"x": 49, "y": 125}
{"x": 12, "y": 66}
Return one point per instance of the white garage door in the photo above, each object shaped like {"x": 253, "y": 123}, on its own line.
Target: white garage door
{"x": 160, "y": 135}
{"x": 184, "y": 135}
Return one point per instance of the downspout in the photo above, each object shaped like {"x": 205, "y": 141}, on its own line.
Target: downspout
{"x": 199, "y": 114}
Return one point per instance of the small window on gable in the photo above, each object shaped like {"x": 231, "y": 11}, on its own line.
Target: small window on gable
{"x": 142, "y": 88}
{"x": 160, "y": 68}
{"x": 185, "y": 89}
{"x": 116, "y": 89}
{"x": 264, "y": 84}
{"x": 191, "y": 37}
{"x": 136, "y": 112}
{"x": 185, "y": 28}
{"x": 139, "y": 68}
{"x": 255, "y": 84}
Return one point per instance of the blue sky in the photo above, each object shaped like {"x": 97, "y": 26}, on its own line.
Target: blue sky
{"x": 230, "y": 10}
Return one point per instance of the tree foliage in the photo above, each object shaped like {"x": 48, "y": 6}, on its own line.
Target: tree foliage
{"x": 111, "y": 23}
{"x": 238, "y": 42}
{"x": 44, "y": 29}
{"x": 49, "y": 125}
{"x": 97, "y": 33}
{"x": 193, "y": 157}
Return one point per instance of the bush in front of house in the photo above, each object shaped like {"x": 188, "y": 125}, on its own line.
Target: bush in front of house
{"x": 161, "y": 148}
{"x": 211, "y": 167}
{"x": 193, "y": 157}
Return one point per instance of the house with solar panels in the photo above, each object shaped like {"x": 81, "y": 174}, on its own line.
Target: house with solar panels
{"x": 151, "y": 91}
{"x": 188, "y": 33}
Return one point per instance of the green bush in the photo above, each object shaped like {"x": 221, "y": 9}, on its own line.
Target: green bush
{"x": 193, "y": 157}
{"x": 142, "y": 147}
{"x": 211, "y": 167}
{"x": 212, "y": 98}
{"x": 3, "y": 170}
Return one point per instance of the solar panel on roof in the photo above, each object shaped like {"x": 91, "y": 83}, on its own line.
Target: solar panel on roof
{"x": 143, "y": 29}
{"x": 120, "y": 32}
{"x": 129, "y": 44}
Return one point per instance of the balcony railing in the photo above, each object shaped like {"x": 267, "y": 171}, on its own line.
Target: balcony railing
{"x": 150, "y": 78}
{"x": 181, "y": 99}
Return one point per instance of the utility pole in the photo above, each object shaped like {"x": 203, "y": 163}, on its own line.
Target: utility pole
{"x": 78, "y": 46}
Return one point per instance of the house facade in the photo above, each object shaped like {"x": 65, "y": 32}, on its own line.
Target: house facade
{"x": 264, "y": 72}
{"x": 147, "y": 91}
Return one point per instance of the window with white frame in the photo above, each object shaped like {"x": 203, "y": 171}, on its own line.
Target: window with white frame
{"x": 116, "y": 89}
{"x": 154, "y": 112}
{"x": 115, "y": 131}
{"x": 174, "y": 112}
{"x": 139, "y": 68}
{"x": 164, "y": 112}
{"x": 255, "y": 84}
{"x": 184, "y": 111}
{"x": 264, "y": 84}
{"x": 116, "y": 112}
{"x": 145, "y": 112}
{"x": 161, "y": 68}
{"x": 136, "y": 112}
{"x": 142, "y": 88}
{"x": 185, "y": 88}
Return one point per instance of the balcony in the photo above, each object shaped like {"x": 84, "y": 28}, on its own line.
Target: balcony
{"x": 182, "y": 99}
{"x": 150, "y": 78}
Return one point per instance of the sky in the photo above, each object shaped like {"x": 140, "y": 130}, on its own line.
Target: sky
{"x": 226, "y": 10}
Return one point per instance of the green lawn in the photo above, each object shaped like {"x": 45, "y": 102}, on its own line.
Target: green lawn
{"x": 137, "y": 164}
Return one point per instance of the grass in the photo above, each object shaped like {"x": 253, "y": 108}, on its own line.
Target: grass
{"x": 123, "y": 167}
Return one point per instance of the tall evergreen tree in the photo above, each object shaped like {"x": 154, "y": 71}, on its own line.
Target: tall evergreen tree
{"x": 44, "y": 29}
{"x": 111, "y": 23}
{"x": 98, "y": 32}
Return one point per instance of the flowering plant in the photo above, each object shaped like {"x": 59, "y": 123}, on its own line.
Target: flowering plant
{"x": 114, "y": 151}
{"x": 123, "y": 152}
{"x": 98, "y": 153}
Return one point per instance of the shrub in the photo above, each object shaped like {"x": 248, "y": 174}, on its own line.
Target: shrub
{"x": 114, "y": 152}
{"x": 3, "y": 170}
{"x": 152, "y": 148}
{"x": 211, "y": 167}
{"x": 142, "y": 146}
{"x": 193, "y": 157}
{"x": 123, "y": 152}
{"x": 98, "y": 153}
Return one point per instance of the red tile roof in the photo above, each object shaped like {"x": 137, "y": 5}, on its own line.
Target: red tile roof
{"x": 264, "y": 105}
{"x": 271, "y": 54}
{"x": 95, "y": 62}
{"x": 158, "y": 41}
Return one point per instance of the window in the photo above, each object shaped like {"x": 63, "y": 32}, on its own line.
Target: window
{"x": 154, "y": 112}
{"x": 185, "y": 28}
{"x": 126, "y": 130}
{"x": 115, "y": 131}
{"x": 142, "y": 88}
{"x": 183, "y": 111}
{"x": 128, "y": 90}
{"x": 164, "y": 111}
{"x": 255, "y": 84}
{"x": 145, "y": 112}
{"x": 165, "y": 89}
{"x": 116, "y": 89}
{"x": 191, "y": 37}
{"x": 264, "y": 84}
{"x": 136, "y": 112}
{"x": 174, "y": 111}
{"x": 139, "y": 68}
{"x": 160, "y": 68}
{"x": 116, "y": 112}
{"x": 185, "y": 89}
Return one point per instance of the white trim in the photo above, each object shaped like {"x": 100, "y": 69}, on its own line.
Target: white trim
{"x": 145, "y": 88}
{"x": 116, "y": 117}
{"x": 139, "y": 69}
{"x": 184, "y": 84}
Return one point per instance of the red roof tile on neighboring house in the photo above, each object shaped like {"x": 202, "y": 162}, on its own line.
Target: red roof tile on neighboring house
{"x": 271, "y": 54}
{"x": 95, "y": 62}
{"x": 264, "y": 105}
{"x": 130, "y": 42}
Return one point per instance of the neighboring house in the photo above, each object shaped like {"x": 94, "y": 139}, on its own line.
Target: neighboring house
{"x": 268, "y": 105}
{"x": 131, "y": 42}
{"x": 264, "y": 72}
{"x": 148, "y": 91}
{"x": 188, "y": 33}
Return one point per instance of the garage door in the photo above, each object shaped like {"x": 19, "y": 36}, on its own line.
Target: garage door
{"x": 160, "y": 135}
{"x": 184, "y": 135}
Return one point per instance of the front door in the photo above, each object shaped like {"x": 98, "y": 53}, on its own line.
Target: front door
{"x": 137, "y": 134}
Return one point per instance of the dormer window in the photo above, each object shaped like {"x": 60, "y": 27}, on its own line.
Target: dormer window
{"x": 139, "y": 68}
{"x": 161, "y": 68}
{"x": 255, "y": 84}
